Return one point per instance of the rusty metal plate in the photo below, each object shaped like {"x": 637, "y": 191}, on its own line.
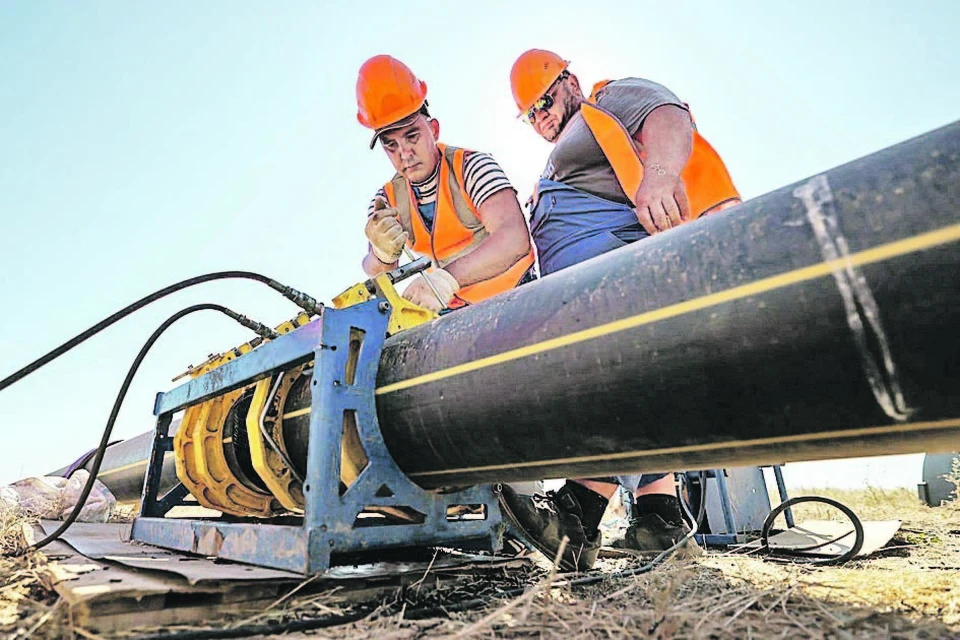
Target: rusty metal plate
{"x": 111, "y": 542}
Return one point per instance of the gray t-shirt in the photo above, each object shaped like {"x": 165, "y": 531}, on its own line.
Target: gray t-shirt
{"x": 577, "y": 159}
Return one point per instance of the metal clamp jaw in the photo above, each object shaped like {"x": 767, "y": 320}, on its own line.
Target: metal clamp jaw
{"x": 403, "y": 313}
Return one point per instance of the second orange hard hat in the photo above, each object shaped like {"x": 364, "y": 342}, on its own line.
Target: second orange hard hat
{"x": 387, "y": 93}
{"x": 532, "y": 74}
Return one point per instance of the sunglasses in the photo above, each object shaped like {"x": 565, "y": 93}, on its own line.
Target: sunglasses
{"x": 545, "y": 102}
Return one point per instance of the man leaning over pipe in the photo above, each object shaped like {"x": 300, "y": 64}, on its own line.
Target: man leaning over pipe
{"x": 627, "y": 163}
{"x": 455, "y": 205}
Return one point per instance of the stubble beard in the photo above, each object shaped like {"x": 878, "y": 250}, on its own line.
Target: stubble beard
{"x": 570, "y": 107}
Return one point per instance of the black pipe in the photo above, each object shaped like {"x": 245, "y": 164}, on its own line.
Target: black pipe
{"x": 735, "y": 344}
{"x": 125, "y": 465}
{"x": 817, "y": 321}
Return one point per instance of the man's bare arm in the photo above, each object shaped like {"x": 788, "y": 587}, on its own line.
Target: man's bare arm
{"x": 666, "y": 141}
{"x": 508, "y": 242}
{"x": 372, "y": 265}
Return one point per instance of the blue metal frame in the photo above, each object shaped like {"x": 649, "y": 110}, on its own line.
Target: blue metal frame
{"x": 782, "y": 490}
{"x": 727, "y": 539}
{"x": 721, "y": 539}
{"x": 330, "y": 520}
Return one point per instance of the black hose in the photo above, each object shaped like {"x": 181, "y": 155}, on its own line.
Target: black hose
{"x": 265, "y": 629}
{"x": 702, "y": 497}
{"x": 417, "y": 613}
{"x": 420, "y": 613}
{"x": 840, "y": 559}
{"x": 702, "y": 507}
{"x": 302, "y": 300}
{"x": 108, "y": 430}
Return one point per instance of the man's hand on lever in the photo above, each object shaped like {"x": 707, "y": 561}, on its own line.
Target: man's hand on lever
{"x": 420, "y": 293}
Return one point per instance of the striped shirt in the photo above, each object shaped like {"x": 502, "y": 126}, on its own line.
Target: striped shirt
{"x": 481, "y": 173}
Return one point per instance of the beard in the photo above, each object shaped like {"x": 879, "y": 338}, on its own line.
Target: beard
{"x": 571, "y": 105}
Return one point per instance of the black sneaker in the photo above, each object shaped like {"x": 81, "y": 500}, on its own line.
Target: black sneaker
{"x": 544, "y": 520}
{"x": 649, "y": 534}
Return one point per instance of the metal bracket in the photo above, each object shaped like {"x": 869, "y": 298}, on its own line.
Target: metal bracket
{"x": 737, "y": 511}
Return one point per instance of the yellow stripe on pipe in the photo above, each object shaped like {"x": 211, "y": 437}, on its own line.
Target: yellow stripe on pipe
{"x": 880, "y": 253}
{"x": 297, "y": 413}
{"x": 132, "y": 465}
{"x": 938, "y": 425}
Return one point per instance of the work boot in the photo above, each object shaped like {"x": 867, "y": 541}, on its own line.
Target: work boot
{"x": 649, "y": 534}
{"x": 543, "y": 521}
{"x": 513, "y": 546}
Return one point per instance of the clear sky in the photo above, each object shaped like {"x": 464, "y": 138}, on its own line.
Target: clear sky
{"x": 144, "y": 143}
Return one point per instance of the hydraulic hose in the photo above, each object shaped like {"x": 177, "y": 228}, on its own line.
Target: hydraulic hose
{"x": 840, "y": 559}
{"x": 108, "y": 430}
{"x": 302, "y": 300}
{"x": 416, "y": 613}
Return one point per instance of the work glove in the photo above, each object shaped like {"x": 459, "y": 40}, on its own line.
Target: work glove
{"x": 420, "y": 293}
{"x": 384, "y": 232}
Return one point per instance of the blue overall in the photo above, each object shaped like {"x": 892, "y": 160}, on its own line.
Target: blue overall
{"x": 570, "y": 226}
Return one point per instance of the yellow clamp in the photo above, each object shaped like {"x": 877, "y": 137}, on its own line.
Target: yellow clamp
{"x": 200, "y": 461}
{"x": 202, "y": 465}
{"x": 403, "y": 313}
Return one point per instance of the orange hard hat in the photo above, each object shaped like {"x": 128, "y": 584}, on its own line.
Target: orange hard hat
{"x": 532, "y": 74}
{"x": 387, "y": 93}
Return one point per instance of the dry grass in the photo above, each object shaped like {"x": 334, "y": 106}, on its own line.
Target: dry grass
{"x": 692, "y": 600}
{"x": 909, "y": 590}
{"x": 28, "y": 606}
{"x": 869, "y": 503}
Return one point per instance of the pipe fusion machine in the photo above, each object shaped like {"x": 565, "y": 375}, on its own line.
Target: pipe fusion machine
{"x": 254, "y": 417}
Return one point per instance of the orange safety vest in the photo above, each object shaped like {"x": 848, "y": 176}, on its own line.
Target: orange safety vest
{"x": 708, "y": 183}
{"x": 457, "y": 228}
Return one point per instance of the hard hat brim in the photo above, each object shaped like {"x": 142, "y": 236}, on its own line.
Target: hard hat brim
{"x": 399, "y": 124}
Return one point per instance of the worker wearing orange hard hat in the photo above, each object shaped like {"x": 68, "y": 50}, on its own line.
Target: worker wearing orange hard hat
{"x": 627, "y": 163}
{"x": 454, "y": 205}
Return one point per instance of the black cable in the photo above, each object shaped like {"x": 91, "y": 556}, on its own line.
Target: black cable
{"x": 840, "y": 559}
{"x": 266, "y": 629}
{"x": 305, "y": 302}
{"x": 702, "y": 507}
{"x": 702, "y": 497}
{"x": 108, "y": 430}
{"x": 417, "y": 613}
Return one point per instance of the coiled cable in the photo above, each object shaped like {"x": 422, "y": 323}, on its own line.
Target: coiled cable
{"x": 840, "y": 559}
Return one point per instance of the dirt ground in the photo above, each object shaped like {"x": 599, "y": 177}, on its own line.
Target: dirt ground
{"x": 910, "y": 589}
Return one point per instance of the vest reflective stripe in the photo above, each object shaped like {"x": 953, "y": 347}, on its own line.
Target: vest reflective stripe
{"x": 708, "y": 183}
{"x": 457, "y": 228}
